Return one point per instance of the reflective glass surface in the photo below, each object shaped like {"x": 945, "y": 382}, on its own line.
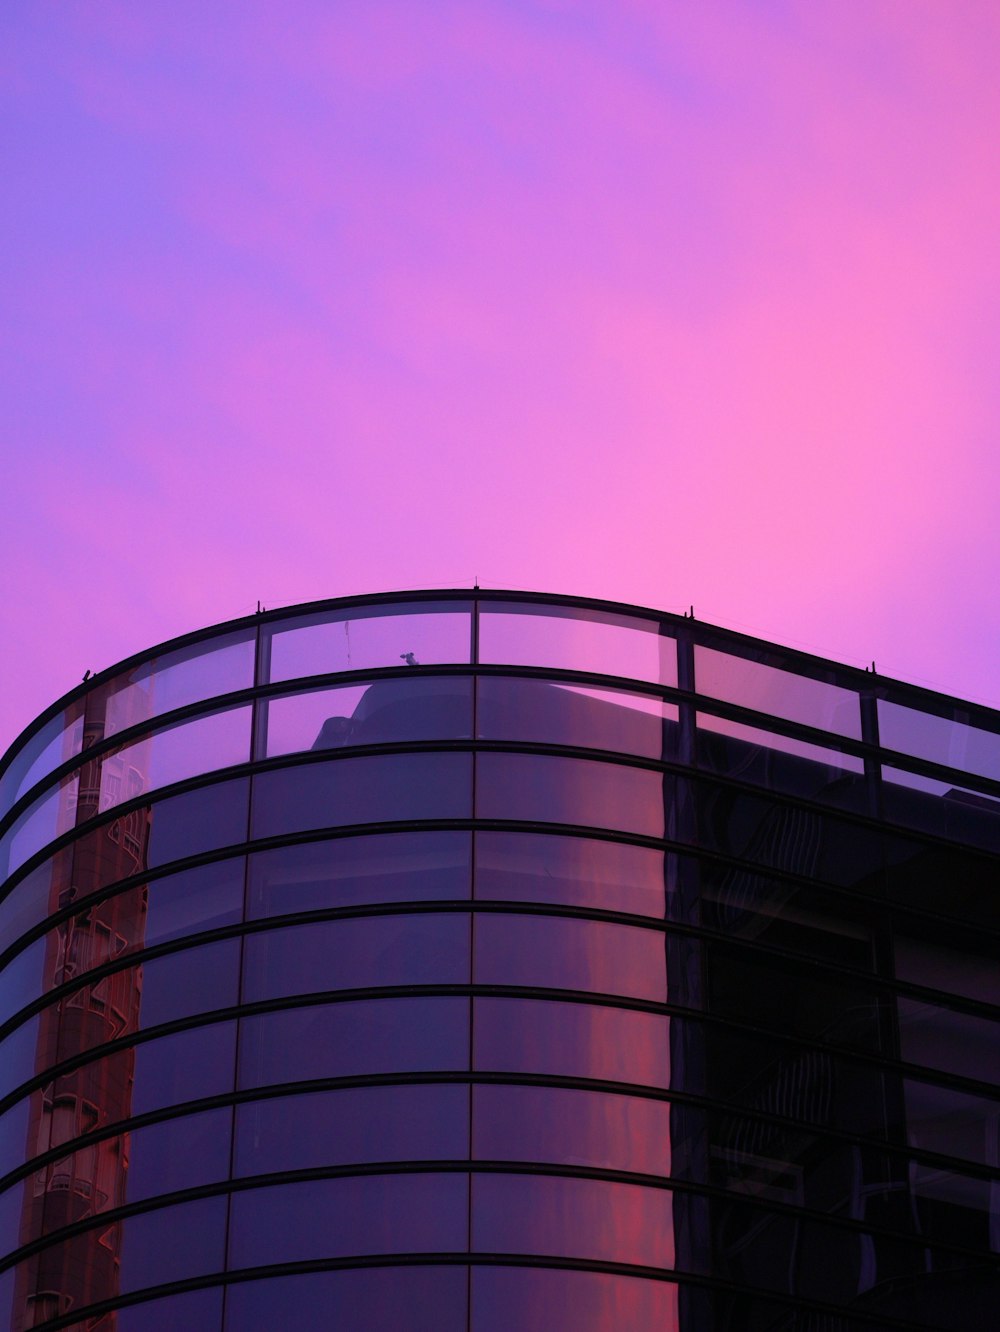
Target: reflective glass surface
{"x": 547, "y": 789}
{"x": 778, "y": 762}
{"x": 380, "y": 1299}
{"x": 781, "y": 693}
{"x": 355, "y": 871}
{"x": 578, "y": 871}
{"x": 946, "y": 740}
{"x": 53, "y": 744}
{"x": 362, "y": 790}
{"x": 541, "y": 1300}
{"x": 575, "y": 639}
{"x": 939, "y": 808}
{"x": 348, "y": 954}
{"x": 572, "y": 1040}
{"x": 352, "y": 1038}
{"x": 45, "y": 819}
{"x": 564, "y": 954}
{"x": 544, "y": 712}
{"x": 366, "y": 637}
{"x": 334, "y": 1218}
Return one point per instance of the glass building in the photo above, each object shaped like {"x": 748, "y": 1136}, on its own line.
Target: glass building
{"x": 496, "y": 962}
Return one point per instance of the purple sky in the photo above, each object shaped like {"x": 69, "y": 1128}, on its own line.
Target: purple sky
{"x": 668, "y": 302}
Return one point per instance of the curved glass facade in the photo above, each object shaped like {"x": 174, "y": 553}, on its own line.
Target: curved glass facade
{"x": 480, "y": 962}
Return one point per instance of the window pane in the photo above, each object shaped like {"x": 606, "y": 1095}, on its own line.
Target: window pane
{"x": 780, "y": 693}
{"x": 333, "y": 1218}
{"x": 353, "y": 1038}
{"x": 197, "y": 821}
{"x": 572, "y": 1218}
{"x": 946, "y": 740}
{"x": 536, "y": 867}
{"x": 417, "y": 708}
{"x": 173, "y": 1243}
{"x": 178, "y": 678}
{"x": 45, "y": 819}
{"x": 940, "y": 1119}
{"x": 383, "y": 1299}
{"x": 548, "y": 713}
{"x": 353, "y": 871}
{"x": 353, "y": 953}
{"x": 575, "y": 639}
{"x": 970, "y": 970}
{"x": 779, "y": 762}
{"x": 546, "y": 789}
{"x": 563, "y": 1126}
{"x": 565, "y": 954}
{"x": 52, "y": 745}
{"x": 953, "y": 1042}
{"x": 184, "y": 1067}
{"x": 362, "y": 790}
{"x": 20, "y": 1057}
{"x": 195, "y": 1311}
{"x": 204, "y": 898}
{"x": 571, "y": 1040}
{"x": 352, "y": 1126}
{"x": 199, "y": 745}
{"x": 941, "y": 809}
{"x": 366, "y": 637}
{"x": 536, "y": 1299}
{"x": 22, "y": 979}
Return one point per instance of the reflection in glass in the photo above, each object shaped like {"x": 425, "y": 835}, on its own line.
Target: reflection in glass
{"x": 53, "y": 744}
{"x": 961, "y": 1043}
{"x": 561, "y": 1125}
{"x": 575, "y": 639}
{"x": 367, "y": 637}
{"x": 416, "y": 708}
{"x": 352, "y": 1038}
{"x": 571, "y": 1040}
{"x": 939, "y": 808}
{"x": 357, "y": 952}
{"x": 353, "y": 1126}
{"x": 355, "y": 871}
{"x": 380, "y": 1299}
{"x": 545, "y": 789}
{"x": 198, "y": 821}
{"x": 780, "y": 693}
{"x": 374, "y": 789}
{"x": 544, "y": 712}
{"x": 579, "y": 871}
{"x": 949, "y": 741}
{"x": 775, "y": 761}
{"x": 572, "y": 1218}
{"x": 564, "y": 954}
{"x": 45, "y": 819}
{"x": 538, "y": 1299}
{"x": 354, "y": 1215}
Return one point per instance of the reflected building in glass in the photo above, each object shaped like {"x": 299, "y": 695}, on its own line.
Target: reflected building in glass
{"x": 496, "y": 962}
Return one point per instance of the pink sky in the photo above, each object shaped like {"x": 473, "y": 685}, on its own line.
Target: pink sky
{"x": 667, "y": 302}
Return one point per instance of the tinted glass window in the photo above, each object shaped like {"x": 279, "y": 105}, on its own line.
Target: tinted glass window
{"x": 572, "y": 1218}
{"x": 781, "y": 693}
{"x": 366, "y": 637}
{"x": 46, "y": 818}
{"x": 184, "y": 1067}
{"x": 777, "y": 761}
{"x": 941, "y": 808}
{"x": 14, "y": 1135}
{"x": 333, "y": 1218}
{"x": 352, "y": 871}
{"x": 28, "y": 902}
{"x": 546, "y": 789}
{"x": 348, "y": 954}
{"x": 357, "y": 1124}
{"x": 969, "y": 970}
{"x": 953, "y": 1042}
{"x": 946, "y": 740}
{"x": 172, "y": 1243}
{"x": 560, "y": 1125}
{"x": 347, "y": 1039}
{"x": 20, "y": 1055}
{"x": 178, "y": 678}
{"x": 415, "y": 708}
{"x": 574, "y": 1040}
{"x": 382, "y": 1299}
{"x": 362, "y": 790}
{"x": 202, "y": 820}
{"x": 536, "y": 1299}
{"x": 22, "y": 979}
{"x": 576, "y": 639}
{"x": 544, "y": 712}
{"x": 534, "y": 867}
{"x": 941, "y": 1119}
{"x": 53, "y": 744}
{"x": 196, "y": 1309}
{"x": 565, "y": 954}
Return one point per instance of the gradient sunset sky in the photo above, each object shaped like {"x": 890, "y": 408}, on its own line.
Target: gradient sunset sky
{"x": 667, "y": 302}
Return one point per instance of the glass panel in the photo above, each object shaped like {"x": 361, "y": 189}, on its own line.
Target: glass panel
{"x": 22, "y": 979}
{"x": 353, "y": 1126}
{"x": 572, "y": 1218}
{"x": 354, "y": 953}
{"x": 778, "y": 762}
{"x": 14, "y": 1146}
{"x": 575, "y": 639}
{"x": 362, "y": 790}
{"x": 203, "y": 820}
{"x": 536, "y": 867}
{"x": 195, "y": 1311}
{"x": 780, "y": 693}
{"x": 366, "y": 637}
{"x": 20, "y": 1056}
{"x": 946, "y": 740}
{"x": 173, "y": 1243}
{"x": 546, "y": 789}
{"x": 179, "y": 1153}
{"x": 354, "y": 1038}
{"x": 59, "y": 740}
{"x": 540, "y": 712}
{"x": 384, "y": 1299}
{"x": 953, "y": 1042}
{"x": 563, "y": 954}
{"x": 563, "y": 1126}
{"x": 571, "y": 1040}
{"x": 971, "y": 971}
{"x": 333, "y": 1218}
{"x": 536, "y": 1299}
{"x": 941, "y": 809}
{"x": 45, "y": 819}
{"x": 184, "y": 1067}
{"x": 199, "y": 745}
{"x": 418, "y": 708}
{"x": 354, "y": 871}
